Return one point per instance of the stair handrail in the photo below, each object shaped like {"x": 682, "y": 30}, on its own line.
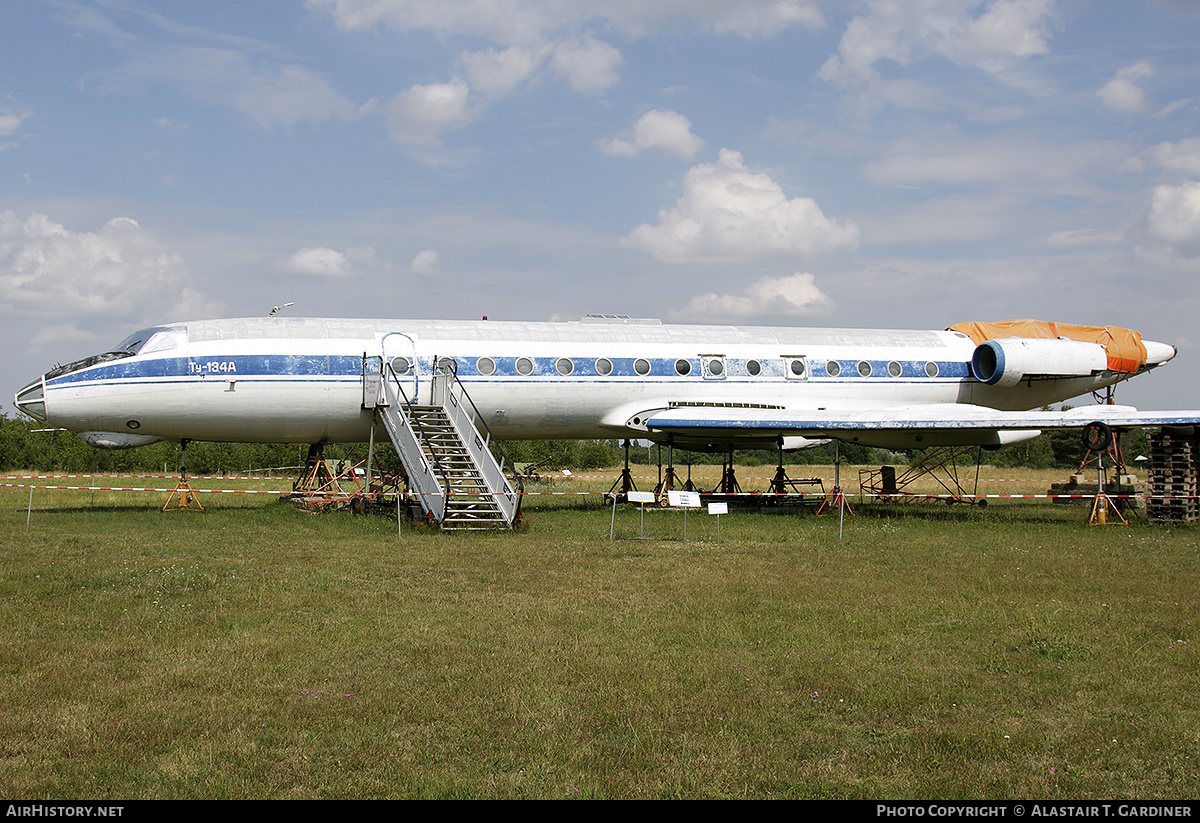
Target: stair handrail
{"x": 436, "y": 469}
{"x": 448, "y": 367}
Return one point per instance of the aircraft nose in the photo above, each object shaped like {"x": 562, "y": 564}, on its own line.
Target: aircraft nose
{"x": 1157, "y": 353}
{"x": 32, "y": 400}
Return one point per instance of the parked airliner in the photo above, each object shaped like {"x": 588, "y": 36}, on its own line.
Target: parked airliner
{"x": 301, "y": 380}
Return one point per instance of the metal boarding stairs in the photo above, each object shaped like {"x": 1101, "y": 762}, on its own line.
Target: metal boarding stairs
{"x": 458, "y": 481}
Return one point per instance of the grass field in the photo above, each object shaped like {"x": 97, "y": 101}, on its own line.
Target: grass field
{"x": 256, "y": 651}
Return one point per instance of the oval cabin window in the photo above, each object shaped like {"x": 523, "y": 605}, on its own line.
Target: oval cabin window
{"x": 833, "y": 368}
{"x": 604, "y": 366}
{"x": 524, "y": 366}
{"x": 400, "y": 365}
{"x": 485, "y": 366}
{"x": 641, "y": 366}
{"x": 564, "y": 366}
{"x": 683, "y": 367}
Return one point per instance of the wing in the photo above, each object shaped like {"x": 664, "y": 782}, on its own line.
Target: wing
{"x": 903, "y": 427}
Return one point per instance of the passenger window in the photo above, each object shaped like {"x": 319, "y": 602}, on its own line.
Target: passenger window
{"x": 753, "y": 368}
{"x": 485, "y": 366}
{"x": 683, "y": 367}
{"x": 604, "y": 366}
{"x": 641, "y": 366}
{"x": 524, "y": 366}
{"x": 564, "y": 366}
{"x": 833, "y": 368}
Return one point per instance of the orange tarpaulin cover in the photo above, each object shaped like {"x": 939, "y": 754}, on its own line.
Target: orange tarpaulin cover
{"x": 1125, "y": 350}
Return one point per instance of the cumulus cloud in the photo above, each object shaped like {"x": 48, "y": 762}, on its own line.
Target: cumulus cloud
{"x": 496, "y": 74}
{"x": 730, "y": 214}
{"x": 120, "y": 270}
{"x": 1005, "y": 33}
{"x": 325, "y": 262}
{"x": 1183, "y": 156}
{"x": 1122, "y": 94}
{"x": 321, "y": 262}
{"x": 419, "y": 115}
{"x": 588, "y": 64}
{"x": 665, "y": 131}
{"x": 781, "y": 297}
{"x": 1175, "y": 217}
{"x": 425, "y": 263}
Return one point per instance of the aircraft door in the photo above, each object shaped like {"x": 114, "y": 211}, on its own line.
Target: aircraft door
{"x": 401, "y": 363}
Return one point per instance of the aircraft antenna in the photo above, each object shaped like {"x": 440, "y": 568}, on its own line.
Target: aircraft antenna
{"x": 271, "y": 313}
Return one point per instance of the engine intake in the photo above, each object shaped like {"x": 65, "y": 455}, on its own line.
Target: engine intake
{"x": 1006, "y": 362}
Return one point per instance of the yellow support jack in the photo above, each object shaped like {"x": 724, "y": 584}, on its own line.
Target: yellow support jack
{"x": 187, "y": 500}
{"x": 1099, "y": 438}
{"x": 1100, "y": 509}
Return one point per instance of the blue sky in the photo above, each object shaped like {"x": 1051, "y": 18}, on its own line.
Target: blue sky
{"x": 796, "y": 162}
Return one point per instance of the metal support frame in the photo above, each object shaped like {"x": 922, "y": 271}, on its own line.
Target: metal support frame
{"x": 941, "y": 464}
{"x": 625, "y": 481}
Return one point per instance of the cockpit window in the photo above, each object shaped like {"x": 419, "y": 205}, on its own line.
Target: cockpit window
{"x": 153, "y": 339}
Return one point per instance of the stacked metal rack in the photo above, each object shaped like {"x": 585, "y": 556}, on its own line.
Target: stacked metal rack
{"x": 1173, "y": 462}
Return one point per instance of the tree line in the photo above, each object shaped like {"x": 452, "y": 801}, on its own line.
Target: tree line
{"x": 24, "y": 447}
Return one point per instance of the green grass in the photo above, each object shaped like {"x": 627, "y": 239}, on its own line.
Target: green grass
{"x": 258, "y": 651}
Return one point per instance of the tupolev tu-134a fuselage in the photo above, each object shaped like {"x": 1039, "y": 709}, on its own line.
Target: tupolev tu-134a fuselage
{"x": 300, "y": 380}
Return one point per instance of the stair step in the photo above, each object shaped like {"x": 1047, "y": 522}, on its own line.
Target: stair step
{"x": 462, "y": 488}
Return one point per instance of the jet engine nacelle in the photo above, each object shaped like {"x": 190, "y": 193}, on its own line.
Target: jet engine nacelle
{"x": 1006, "y": 362}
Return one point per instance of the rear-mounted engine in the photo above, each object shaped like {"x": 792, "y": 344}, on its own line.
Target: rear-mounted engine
{"x": 1008, "y": 361}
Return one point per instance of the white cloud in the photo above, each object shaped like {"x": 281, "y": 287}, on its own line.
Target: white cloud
{"x": 666, "y": 131}
{"x": 1122, "y": 94}
{"x": 730, "y": 214}
{"x": 1183, "y": 156}
{"x": 419, "y": 115}
{"x": 10, "y": 121}
{"x": 523, "y": 21}
{"x": 425, "y": 263}
{"x": 1175, "y": 217}
{"x": 588, "y": 64}
{"x": 496, "y": 74}
{"x": 953, "y": 159}
{"x": 119, "y": 271}
{"x": 1007, "y": 32}
{"x": 63, "y": 333}
{"x": 778, "y": 297}
{"x": 269, "y": 94}
{"x": 321, "y": 262}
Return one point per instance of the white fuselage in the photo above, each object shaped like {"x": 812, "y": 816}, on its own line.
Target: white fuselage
{"x": 300, "y": 380}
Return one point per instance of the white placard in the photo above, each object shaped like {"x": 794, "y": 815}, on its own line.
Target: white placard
{"x": 686, "y": 500}
{"x": 640, "y": 497}
{"x": 718, "y": 508}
